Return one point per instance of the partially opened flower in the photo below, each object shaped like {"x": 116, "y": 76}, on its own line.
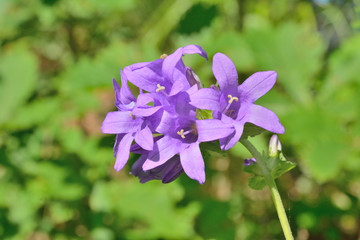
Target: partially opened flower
{"x": 234, "y": 104}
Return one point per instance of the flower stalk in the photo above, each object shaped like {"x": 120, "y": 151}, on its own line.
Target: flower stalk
{"x": 273, "y": 189}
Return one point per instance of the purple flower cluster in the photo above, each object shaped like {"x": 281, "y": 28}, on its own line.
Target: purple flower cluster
{"x": 162, "y": 120}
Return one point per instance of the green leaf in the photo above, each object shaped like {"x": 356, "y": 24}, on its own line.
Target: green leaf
{"x": 277, "y": 166}
{"x": 257, "y": 182}
{"x": 254, "y": 169}
{"x": 343, "y": 68}
{"x": 60, "y": 212}
{"x": 282, "y": 166}
{"x": 251, "y": 130}
{"x": 132, "y": 200}
{"x": 296, "y": 63}
{"x": 211, "y": 146}
{"x": 18, "y": 75}
{"x": 34, "y": 113}
{"x": 320, "y": 140}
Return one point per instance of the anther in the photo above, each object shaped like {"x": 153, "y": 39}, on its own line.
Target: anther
{"x": 160, "y": 88}
{"x": 132, "y": 116}
{"x": 163, "y": 56}
{"x": 231, "y": 99}
{"x": 181, "y": 133}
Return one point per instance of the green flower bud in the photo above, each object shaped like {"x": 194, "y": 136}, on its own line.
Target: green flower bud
{"x": 274, "y": 146}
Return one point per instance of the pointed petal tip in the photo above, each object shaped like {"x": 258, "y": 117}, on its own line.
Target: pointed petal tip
{"x": 202, "y": 181}
{"x": 281, "y": 130}
{"x": 147, "y": 165}
{"x": 192, "y": 49}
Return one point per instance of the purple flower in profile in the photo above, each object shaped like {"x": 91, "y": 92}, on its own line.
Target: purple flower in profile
{"x": 234, "y": 104}
{"x": 167, "y": 172}
{"x": 127, "y": 126}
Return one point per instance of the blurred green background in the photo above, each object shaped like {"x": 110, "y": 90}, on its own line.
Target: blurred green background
{"x": 57, "y": 61}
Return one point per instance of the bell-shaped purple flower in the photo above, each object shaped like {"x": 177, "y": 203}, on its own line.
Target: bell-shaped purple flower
{"x": 127, "y": 126}
{"x": 234, "y": 104}
{"x": 182, "y": 135}
{"x": 167, "y": 172}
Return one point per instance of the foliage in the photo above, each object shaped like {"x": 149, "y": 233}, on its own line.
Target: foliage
{"x": 57, "y": 60}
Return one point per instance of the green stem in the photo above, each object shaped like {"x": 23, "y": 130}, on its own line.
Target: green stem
{"x": 274, "y": 191}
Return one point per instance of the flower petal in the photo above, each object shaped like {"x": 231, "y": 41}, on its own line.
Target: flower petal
{"x": 172, "y": 60}
{"x": 140, "y": 81}
{"x": 144, "y": 138}
{"x": 126, "y": 95}
{"x": 230, "y": 141}
{"x": 117, "y": 141}
{"x": 264, "y": 118}
{"x": 213, "y": 129}
{"x": 145, "y": 111}
{"x": 124, "y": 100}
{"x": 193, "y": 162}
{"x": 163, "y": 150}
{"x": 193, "y": 49}
{"x": 177, "y": 87}
{"x": 225, "y": 72}
{"x": 144, "y": 99}
{"x": 167, "y": 172}
{"x": 257, "y": 85}
{"x": 149, "y": 70}
{"x": 120, "y": 122}
{"x": 206, "y": 98}
{"x": 192, "y": 78}
{"x": 167, "y": 123}
{"x": 123, "y": 152}
{"x": 136, "y": 168}
{"x": 173, "y": 170}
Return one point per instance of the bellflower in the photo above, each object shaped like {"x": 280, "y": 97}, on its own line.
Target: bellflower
{"x": 234, "y": 104}
{"x": 127, "y": 126}
{"x": 182, "y": 135}
{"x": 170, "y": 94}
{"x": 166, "y": 172}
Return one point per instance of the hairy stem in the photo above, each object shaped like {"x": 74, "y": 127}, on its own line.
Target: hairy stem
{"x": 273, "y": 189}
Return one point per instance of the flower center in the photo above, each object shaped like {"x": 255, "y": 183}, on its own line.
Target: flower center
{"x": 231, "y": 100}
{"x": 182, "y": 133}
{"x": 160, "y": 88}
